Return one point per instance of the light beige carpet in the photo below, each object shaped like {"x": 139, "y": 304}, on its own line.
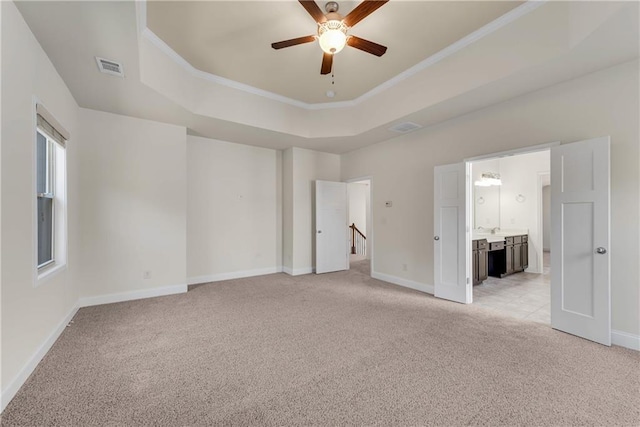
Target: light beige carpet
{"x": 333, "y": 349}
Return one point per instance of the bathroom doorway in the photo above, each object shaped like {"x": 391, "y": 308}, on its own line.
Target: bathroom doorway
{"x": 509, "y": 271}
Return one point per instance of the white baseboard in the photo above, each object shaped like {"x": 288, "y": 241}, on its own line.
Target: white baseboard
{"x": 233, "y": 275}
{"x": 403, "y": 282}
{"x": 298, "y": 271}
{"x": 9, "y": 393}
{"x": 625, "y": 339}
{"x": 132, "y": 295}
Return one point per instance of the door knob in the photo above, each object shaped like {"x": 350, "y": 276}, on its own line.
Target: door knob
{"x": 319, "y": 231}
{"x": 601, "y": 250}
{"x": 436, "y": 238}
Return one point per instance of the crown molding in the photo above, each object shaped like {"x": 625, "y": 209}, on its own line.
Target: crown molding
{"x": 469, "y": 39}
{"x": 507, "y": 18}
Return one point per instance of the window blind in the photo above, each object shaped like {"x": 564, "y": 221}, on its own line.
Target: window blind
{"x": 50, "y": 126}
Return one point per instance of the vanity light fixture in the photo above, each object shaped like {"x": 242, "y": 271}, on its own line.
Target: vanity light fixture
{"x": 488, "y": 179}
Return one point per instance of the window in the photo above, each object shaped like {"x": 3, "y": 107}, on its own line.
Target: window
{"x": 50, "y": 188}
{"x": 45, "y": 179}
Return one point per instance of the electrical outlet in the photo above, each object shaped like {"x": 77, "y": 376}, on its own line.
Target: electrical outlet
{"x": 146, "y": 275}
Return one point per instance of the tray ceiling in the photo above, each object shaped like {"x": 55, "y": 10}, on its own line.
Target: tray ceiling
{"x": 512, "y": 58}
{"x": 232, "y": 39}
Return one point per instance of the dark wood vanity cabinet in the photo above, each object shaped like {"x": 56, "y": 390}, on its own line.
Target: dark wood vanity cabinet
{"x": 510, "y": 256}
{"x": 519, "y": 248}
{"x": 480, "y": 261}
{"x": 513, "y": 246}
{"x": 508, "y": 247}
{"x": 525, "y": 252}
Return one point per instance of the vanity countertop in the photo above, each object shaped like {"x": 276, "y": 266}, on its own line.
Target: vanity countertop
{"x": 491, "y": 238}
{"x": 498, "y": 236}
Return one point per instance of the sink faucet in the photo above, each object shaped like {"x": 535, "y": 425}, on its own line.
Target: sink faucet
{"x": 494, "y": 229}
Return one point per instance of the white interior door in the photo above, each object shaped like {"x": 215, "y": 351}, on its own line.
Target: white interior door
{"x": 449, "y": 244}
{"x": 332, "y": 237}
{"x": 580, "y": 260}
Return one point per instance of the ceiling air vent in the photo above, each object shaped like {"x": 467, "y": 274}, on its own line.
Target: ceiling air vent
{"x": 405, "y": 127}
{"x": 110, "y": 67}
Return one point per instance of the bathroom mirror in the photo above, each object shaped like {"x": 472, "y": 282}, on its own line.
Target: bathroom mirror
{"x": 486, "y": 207}
{"x": 486, "y": 193}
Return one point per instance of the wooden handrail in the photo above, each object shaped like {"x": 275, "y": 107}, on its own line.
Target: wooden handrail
{"x": 354, "y": 228}
{"x": 358, "y": 241}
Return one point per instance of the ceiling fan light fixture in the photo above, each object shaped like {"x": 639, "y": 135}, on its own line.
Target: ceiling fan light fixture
{"x": 332, "y": 36}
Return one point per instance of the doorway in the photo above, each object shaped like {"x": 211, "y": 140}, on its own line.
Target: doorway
{"x": 580, "y": 216}
{"x": 507, "y": 235}
{"x": 360, "y": 225}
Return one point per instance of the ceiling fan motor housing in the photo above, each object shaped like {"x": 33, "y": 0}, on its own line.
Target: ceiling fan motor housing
{"x": 333, "y": 16}
{"x": 331, "y": 6}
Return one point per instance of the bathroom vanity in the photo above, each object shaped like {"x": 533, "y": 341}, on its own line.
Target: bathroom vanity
{"x": 480, "y": 259}
{"x": 499, "y": 254}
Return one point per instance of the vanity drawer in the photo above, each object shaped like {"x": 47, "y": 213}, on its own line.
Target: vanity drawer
{"x": 496, "y": 246}
{"x": 517, "y": 239}
{"x": 483, "y": 244}
{"x": 508, "y": 240}
{"x": 525, "y": 239}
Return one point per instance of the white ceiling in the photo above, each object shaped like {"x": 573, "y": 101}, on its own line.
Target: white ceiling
{"x": 233, "y": 40}
{"x": 551, "y": 43}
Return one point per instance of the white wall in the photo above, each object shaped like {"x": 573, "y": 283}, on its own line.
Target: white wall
{"x": 287, "y": 210}
{"x": 234, "y": 199}
{"x": 358, "y": 194}
{"x": 30, "y": 315}
{"x": 134, "y": 204}
{"x": 602, "y": 103}
{"x": 369, "y": 230}
{"x": 520, "y": 176}
{"x": 301, "y": 169}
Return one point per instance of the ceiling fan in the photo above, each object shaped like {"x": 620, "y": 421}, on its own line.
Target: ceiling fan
{"x": 333, "y": 28}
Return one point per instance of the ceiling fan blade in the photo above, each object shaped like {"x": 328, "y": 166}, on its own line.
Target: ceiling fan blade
{"x": 293, "y": 42}
{"x": 364, "y": 9}
{"x": 327, "y": 62}
{"x": 314, "y": 10}
{"x": 367, "y": 46}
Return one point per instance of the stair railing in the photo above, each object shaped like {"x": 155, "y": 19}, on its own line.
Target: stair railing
{"x": 358, "y": 241}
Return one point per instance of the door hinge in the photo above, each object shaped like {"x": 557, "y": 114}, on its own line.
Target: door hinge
{"x": 467, "y": 280}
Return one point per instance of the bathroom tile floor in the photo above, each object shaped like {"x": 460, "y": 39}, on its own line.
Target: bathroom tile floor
{"x": 521, "y": 295}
